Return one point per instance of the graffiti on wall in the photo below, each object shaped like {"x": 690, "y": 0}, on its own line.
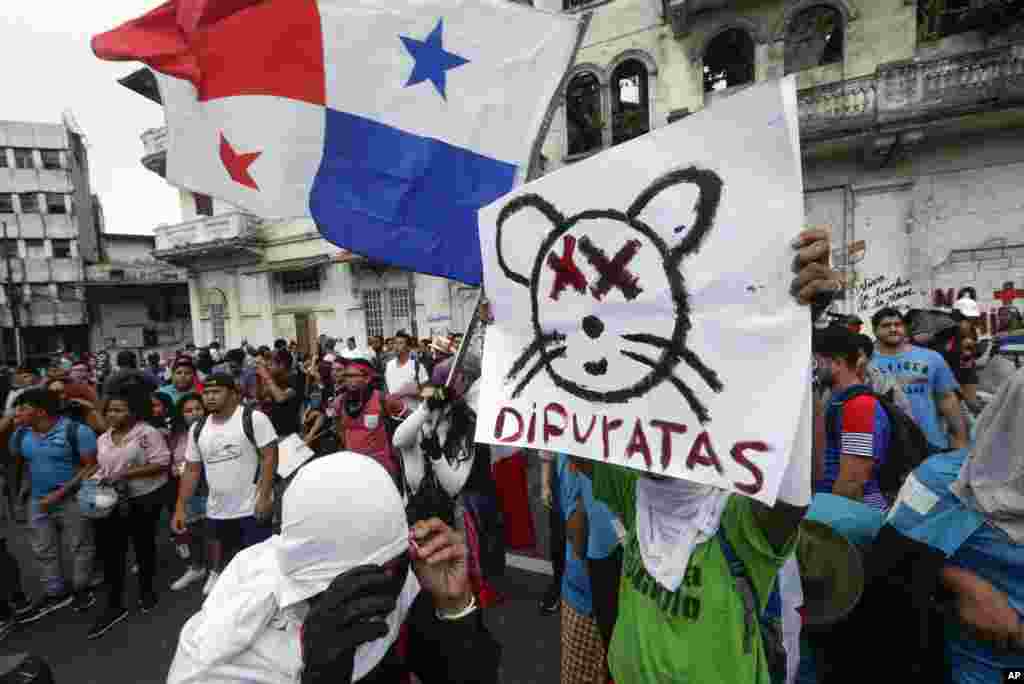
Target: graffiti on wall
{"x": 999, "y": 317}
{"x": 873, "y": 293}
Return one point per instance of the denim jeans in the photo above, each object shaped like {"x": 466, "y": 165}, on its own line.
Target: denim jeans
{"x": 62, "y": 527}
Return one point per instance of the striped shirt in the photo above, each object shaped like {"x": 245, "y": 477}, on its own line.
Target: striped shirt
{"x": 855, "y": 427}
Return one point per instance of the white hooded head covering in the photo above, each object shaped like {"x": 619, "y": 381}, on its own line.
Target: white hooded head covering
{"x": 341, "y": 511}
{"x": 991, "y": 480}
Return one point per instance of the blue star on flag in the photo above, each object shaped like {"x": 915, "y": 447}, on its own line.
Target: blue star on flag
{"x": 432, "y": 60}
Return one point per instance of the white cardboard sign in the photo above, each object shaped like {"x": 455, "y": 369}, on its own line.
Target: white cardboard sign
{"x": 641, "y": 301}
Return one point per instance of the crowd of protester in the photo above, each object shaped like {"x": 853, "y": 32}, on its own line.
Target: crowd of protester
{"x": 901, "y": 531}
{"x": 104, "y": 460}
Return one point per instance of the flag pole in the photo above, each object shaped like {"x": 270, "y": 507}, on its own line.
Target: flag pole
{"x": 460, "y": 356}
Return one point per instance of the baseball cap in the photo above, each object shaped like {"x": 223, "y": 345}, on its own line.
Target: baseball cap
{"x": 220, "y": 380}
{"x": 967, "y": 307}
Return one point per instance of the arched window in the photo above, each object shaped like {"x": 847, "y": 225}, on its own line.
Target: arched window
{"x": 814, "y": 38}
{"x": 583, "y": 114}
{"x": 728, "y": 60}
{"x": 630, "y": 101}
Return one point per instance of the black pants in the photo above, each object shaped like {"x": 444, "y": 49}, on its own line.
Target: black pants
{"x": 556, "y": 532}
{"x": 134, "y": 519}
{"x": 10, "y": 581}
{"x": 605, "y": 575}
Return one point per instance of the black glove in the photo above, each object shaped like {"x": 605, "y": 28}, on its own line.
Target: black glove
{"x": 349, "y": 614}
{"x": 438, "y": 399}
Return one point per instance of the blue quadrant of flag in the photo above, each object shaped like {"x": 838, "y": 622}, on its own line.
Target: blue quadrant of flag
{"x": 379, "y": 188}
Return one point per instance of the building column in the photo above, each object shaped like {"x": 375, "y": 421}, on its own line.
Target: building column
{"x": 195, "y": 305}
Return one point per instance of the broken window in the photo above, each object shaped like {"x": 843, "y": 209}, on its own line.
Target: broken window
{"x": 728, "y": 60}
{"x": 29, "y": 202}
{"x": 814, "y": 38}
{"x": 55, "y": 203}
{"x": 204, "y": 204}
{"x": 51, "y": 159}
{"x": 23, "y": 158}
{"x": 61, "y": 249}
{"x": 940, "y": 18}
{"x": 630, "y": 102}
{"x": 583, "y": 114}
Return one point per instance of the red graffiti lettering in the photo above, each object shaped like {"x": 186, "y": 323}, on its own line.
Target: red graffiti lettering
{"x": 499, "y": 425}
{"x": 702, "y": 453}
{"x": 942, "y": 300}
{"x": 667, "y": 428}
{"x": 607, "y": 426}
{"x": 739, "y": 457}
{"x": 638, "y": 444}
{"x": 582, "y": 439}
{"x": 531, "y": 432}
{"x": 550, "y": 429}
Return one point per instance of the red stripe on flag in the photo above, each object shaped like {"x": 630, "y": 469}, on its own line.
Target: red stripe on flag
{"x": 228, "y": 47}
{"x": 155, "y": 39}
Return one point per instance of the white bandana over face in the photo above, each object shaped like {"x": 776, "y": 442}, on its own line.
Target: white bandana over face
{"x": 341, "y": 511}
{"x": 991, "y": 480}
{"x": 672, "y": 517}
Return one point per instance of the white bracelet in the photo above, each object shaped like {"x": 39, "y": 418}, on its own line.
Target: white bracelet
{"x": 461, "y": 614}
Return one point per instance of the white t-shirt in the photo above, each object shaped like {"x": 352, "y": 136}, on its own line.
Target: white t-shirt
{"x": 402, "y": 380}
{"x": 231, "y": 462}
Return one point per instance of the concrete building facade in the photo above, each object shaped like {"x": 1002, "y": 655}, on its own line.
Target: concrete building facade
{"x": 49, "y": 225}
{"x": 135, "y": 301}
{"x": 911, "y": 120}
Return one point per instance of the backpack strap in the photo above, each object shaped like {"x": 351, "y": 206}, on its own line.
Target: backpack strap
{"x": 247, "y": 428}
{"x": 745, "y": 588}
{"x": 19, "y": 441}
{"x": 197, "y": 430}
{"x": 71, "y": 434}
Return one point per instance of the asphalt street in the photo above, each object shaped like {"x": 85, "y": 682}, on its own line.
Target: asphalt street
{"x": 140, "y": 649}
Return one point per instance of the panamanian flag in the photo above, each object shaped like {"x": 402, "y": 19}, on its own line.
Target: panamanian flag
{"x": 390, "y": 122}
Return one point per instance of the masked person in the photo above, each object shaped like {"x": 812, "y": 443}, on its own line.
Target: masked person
{"x": 682, "y": 611}
{"x": 448, "y": 475}
{"x": 968, "y": 506}
{"x": 327, "y": 602}
{"x": 361, "y": 411}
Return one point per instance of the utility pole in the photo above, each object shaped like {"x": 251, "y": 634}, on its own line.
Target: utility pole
{"x": 13, "y": 293}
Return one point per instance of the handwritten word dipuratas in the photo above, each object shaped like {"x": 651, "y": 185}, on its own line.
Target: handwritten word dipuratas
{"x": 650, "y": 440}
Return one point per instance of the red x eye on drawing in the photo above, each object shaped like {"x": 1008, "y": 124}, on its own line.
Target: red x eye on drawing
{"x": 614, "y": 272}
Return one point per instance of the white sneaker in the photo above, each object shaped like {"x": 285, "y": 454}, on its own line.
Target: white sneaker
{"x": 191, "y": 576}
{"x": 210, "y": 581}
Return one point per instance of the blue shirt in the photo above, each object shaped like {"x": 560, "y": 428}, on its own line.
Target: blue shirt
{"x": 575, "y": 581}
{"x": 602, "y": 539}
{"x": 855, "y": 427}
{"x": 923, "y": 374}
{"x": 49, "y": 456}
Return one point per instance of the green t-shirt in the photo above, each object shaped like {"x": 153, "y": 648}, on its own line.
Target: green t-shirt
{"x": 694, "y": 635}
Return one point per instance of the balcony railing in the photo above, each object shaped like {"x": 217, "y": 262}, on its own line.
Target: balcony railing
{"x": 224, "y": 229}
{"x": 915, "y": 92}
{"x": 154, "y": 140}
{"x": 134, "y": 273}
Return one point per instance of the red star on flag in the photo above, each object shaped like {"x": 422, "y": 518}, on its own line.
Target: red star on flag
{"x": 237, "y": 165}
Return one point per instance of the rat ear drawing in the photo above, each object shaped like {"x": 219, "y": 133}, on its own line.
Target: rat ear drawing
{"x": 687, "y": 231}
{"x": 527, "y": 217}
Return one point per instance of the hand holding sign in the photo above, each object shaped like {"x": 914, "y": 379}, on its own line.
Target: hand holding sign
{"x": 645, "y": 309}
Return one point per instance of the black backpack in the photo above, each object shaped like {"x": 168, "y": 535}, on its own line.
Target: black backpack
{"x": 908, "y": 445}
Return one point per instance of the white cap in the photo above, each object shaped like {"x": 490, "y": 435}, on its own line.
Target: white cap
{"x": 967, "y": 307}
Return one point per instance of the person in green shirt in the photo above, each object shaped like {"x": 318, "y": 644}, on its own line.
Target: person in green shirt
{"x": 681, "y": 617}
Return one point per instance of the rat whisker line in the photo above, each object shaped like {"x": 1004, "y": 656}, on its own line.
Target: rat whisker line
{"x": 546, "y": 358}
{"x": 691, "y": 399}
